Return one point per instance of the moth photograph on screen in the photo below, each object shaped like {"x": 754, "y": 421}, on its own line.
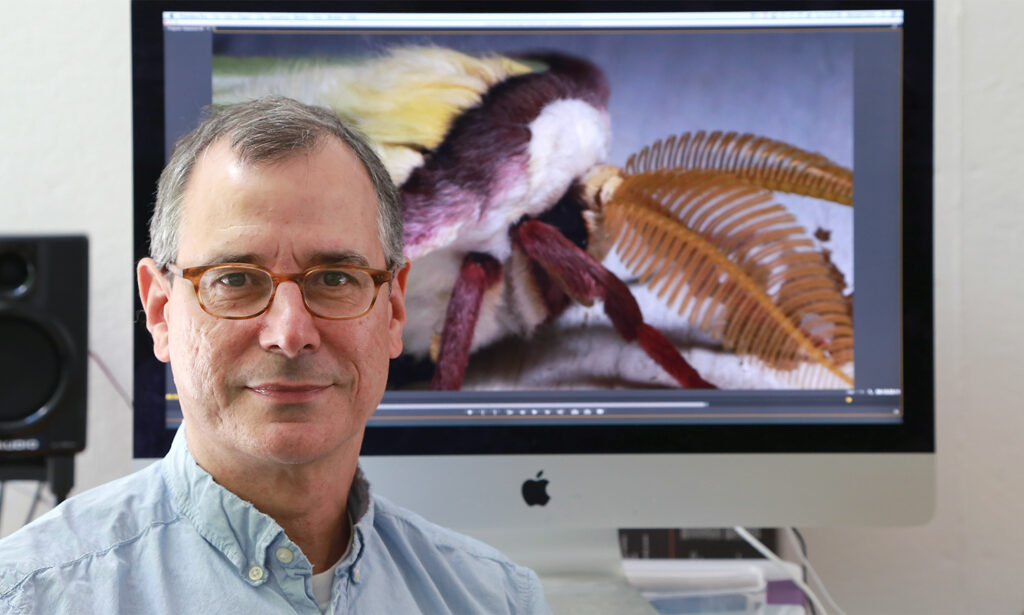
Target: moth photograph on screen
{"x": 600, "y": 210}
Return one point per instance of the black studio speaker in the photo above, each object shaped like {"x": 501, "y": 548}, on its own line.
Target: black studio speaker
{"x": 44, "y": 309}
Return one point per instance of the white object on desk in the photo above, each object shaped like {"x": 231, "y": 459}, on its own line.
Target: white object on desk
{"x": 712, "y": 586}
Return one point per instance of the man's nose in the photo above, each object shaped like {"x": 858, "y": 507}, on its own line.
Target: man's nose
{"x": 289, "y": 327}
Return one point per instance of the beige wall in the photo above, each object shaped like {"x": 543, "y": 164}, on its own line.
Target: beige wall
{"x": 65, "y": 166}
{"x": 970, "y": 558}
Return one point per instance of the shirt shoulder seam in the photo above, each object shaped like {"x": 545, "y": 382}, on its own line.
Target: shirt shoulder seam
{"x": 466, "y": 545}
{"x": 6, "y": 594}
{"x": 532, "y": 593}
{"x": 520, "y": 578}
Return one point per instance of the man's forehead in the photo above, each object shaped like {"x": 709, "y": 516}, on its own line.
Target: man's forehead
{"x": 322, "y": 200}
{"x": 330, "y": 156}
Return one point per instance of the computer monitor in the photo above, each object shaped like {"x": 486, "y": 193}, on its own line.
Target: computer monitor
{"x": 761, "y": 138}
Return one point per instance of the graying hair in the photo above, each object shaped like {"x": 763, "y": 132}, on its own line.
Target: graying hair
{"x": 268, "y": 130}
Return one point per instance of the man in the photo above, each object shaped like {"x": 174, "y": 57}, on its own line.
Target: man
{"x": 276, "y": 292}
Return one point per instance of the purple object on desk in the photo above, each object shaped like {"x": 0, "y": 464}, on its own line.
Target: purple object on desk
{"x": 783, "y": 592}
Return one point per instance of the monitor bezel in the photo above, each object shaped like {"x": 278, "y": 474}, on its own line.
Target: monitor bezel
{"x": 915, "y": 434}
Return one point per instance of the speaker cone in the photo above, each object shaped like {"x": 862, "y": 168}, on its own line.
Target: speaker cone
{"x": 31, "y": 366}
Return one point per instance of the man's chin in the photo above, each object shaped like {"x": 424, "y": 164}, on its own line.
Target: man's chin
{"x": 292, "y": 443}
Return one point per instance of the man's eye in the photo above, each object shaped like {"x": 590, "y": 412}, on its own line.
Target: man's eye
{"x": 335, "y": 278}
{"x": 234, "y": 280}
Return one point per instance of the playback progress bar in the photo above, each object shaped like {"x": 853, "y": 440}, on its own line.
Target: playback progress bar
{"x": 831, "y": 407}
{"x": 515, "y": 410}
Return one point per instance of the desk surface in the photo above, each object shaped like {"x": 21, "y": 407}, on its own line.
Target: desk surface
{"x": 677, "y": 587}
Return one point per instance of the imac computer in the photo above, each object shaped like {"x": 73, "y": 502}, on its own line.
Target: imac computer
{"x": 745, "y": 187}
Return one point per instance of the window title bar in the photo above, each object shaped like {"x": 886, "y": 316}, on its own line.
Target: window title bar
{"x": 458, "y": 21}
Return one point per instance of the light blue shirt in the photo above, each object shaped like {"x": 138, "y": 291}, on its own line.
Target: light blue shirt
{"x": 168, "y": 539}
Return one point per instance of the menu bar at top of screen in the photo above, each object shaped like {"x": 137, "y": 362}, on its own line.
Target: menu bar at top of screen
{"x": 739, "y": 19}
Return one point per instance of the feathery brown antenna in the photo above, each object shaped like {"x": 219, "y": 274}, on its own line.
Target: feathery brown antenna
{"x": 734, "y": 264}
{"x": 762, "y": 161}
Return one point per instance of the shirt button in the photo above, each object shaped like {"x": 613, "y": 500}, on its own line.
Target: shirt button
{"x": 284, "y": 555}
{"x": 255, "y": 574}
{"x": 355, "y": 573}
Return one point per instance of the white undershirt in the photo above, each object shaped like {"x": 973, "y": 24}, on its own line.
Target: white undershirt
{"x": 323, "y": 582}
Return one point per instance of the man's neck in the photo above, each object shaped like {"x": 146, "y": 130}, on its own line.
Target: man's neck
{"x": 309, "y": 501}
{"x": 312, "y": 510}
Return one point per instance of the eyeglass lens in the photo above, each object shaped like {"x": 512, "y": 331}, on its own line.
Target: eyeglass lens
{"x": 243, "y": 291}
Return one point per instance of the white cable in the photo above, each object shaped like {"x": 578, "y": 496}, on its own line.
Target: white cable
{"x": 765, "y": 551}
{"x": 810, "y": 569}
{"x": 35, "y": 503}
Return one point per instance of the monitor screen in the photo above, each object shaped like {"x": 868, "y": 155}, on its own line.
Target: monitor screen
{"x": 684, "y": 251}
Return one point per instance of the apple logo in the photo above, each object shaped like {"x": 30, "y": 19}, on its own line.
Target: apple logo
{"x": 535, "y": 491}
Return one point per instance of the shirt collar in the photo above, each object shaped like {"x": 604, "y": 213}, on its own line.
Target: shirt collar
{"x": 360, "y": 510}
{"x": 234, "y": 526}
{"x": 229, "y": 523}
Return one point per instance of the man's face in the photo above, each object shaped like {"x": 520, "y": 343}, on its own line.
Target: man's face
{"x": 285, "y": 386}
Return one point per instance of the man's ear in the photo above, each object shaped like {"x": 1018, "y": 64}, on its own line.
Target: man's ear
{"x": 398, "y": 315}
{"x": 155, "y": 291}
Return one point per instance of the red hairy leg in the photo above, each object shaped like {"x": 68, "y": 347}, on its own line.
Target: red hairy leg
{"x": 586, "y": 279}
{"x": 478, "y": 273}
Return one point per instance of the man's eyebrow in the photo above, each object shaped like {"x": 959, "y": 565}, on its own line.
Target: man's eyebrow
{"x": 344, "y": 257}
{"x": 339, "y": 258}
{"x": 219, "y": 259}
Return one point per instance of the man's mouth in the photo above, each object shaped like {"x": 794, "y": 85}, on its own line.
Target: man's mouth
{"x": 289, "y": 393}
